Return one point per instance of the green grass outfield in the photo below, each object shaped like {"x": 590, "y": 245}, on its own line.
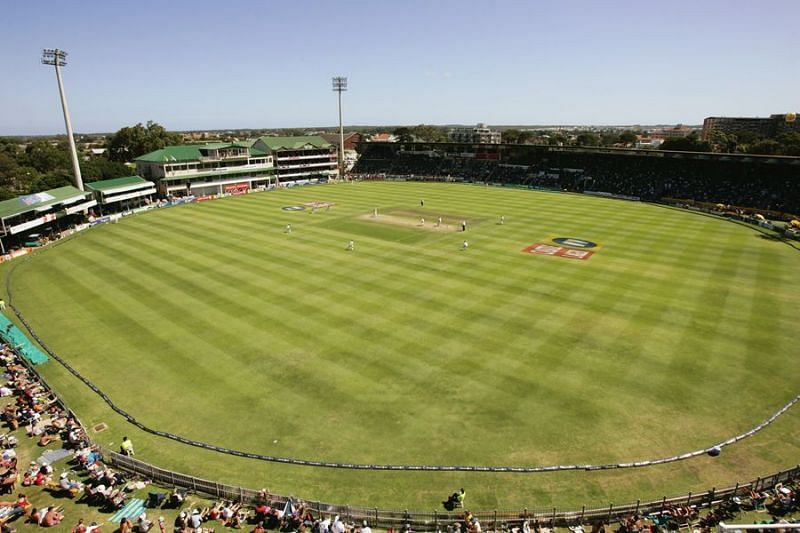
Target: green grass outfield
{"x": 211, "y": 322}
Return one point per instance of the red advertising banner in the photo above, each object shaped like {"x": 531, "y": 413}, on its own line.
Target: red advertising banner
{"x": 237, "y": 188}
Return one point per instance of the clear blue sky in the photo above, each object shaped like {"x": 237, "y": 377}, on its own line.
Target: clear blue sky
{"x": 261, "y": 64}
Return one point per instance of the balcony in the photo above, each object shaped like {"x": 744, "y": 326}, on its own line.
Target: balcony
{"x": 308, "y": 165}
{"x": 236, "y": 168}
{"x": 300, "y": 157}
{"x": 309, "y": 173}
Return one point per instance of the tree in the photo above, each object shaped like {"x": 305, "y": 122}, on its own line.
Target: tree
{"x": 627, "y": 137}
{"x": 790, "y": 143}
{"x": 45, "y": 156}
{"x": 8, "y": 171}
{"x": 511, "y": 136}
{"x": 586, "y": 139}
{"x": 723, "y": 142}
{"x": 132, "y": 141}
{"x": 421, "y": 133}
{"x": 608, "y": 139}
{"x": 427, "y": 133}
{"x": 403, "y": 135}
{"x": 765, "y": 147}
{"x": 525, "y": 136}
{"x": 8, "y": 146}
{"x": 515, "y": 136}
{"x": 50, "y": 180}
{"x": 100, "y": 168}
{"x": 690, "y": 143}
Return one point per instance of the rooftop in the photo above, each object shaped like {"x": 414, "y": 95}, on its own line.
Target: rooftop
{"x": 39, "y": 201}
{"x": 191, "y": 152}
{"x": 116, "y": 183}
{"x": 294, "y": 143}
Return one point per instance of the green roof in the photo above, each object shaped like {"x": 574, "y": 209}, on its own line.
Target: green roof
{"x": 188, "y": 152}
{"x": 184, "y": 152}
{"x": 294, "y": 143}
{"x": 32, "y": 202}
{"x": 115, "y": 183}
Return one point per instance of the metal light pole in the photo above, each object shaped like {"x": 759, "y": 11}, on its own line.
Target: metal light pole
{"x": 58, "y": 58}
{"x": 340, "y": 85}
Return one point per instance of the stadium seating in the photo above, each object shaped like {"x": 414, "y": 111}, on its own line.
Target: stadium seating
{"x": 766, "y": 184}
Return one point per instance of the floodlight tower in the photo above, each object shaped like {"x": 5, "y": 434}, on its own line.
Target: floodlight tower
{"x": 58, "y": 58}
{"x": 340, "y": 85}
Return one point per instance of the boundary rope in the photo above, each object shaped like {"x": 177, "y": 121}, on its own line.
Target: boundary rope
{"x": 713, "y": 449}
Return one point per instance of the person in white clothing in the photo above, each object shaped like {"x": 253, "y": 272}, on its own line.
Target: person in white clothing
{"x": 337, "y": 526}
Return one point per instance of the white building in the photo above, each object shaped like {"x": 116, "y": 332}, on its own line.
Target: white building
{"x": 477, "y": 134}
{"x": 234, "y": 168}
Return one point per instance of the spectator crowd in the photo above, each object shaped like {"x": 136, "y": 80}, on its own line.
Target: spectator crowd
{"x": 752, "y": 183}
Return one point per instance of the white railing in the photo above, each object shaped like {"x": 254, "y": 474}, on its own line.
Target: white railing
{"x": 308, "y": 165}
{"x": 178, "y": 173}
{"x": 313, "y": 156}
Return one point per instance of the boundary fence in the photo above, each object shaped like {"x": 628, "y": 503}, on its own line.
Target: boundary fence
{"x": 435, "y": 520}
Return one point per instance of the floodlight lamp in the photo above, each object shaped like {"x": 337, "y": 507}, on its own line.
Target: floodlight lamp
{"x": 53, "y": 56}
{"x": 339, "y": 83}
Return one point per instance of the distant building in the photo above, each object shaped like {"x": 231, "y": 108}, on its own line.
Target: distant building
{"x": 350, "y": 139}
{"x": 671, "y": 133}
{"x": 646, "y": 143}
{"x": 382, "y": 138}
{"x": 763, "y": 127}
{"x": 477, "y": 134}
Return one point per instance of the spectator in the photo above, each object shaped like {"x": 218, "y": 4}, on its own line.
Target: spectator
{"x": 52, "y": 517}
{"x": 181, "y": 522}
{"x": 126, "y": 448}
{"x": 125, "y": 525}
{"x": 70, "y": 487}
{"x": 143, "y": 525}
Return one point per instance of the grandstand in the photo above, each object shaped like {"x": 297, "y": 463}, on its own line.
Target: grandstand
{"x": 234, "y": 168}
{"x": 769, "y": 183}
{"x": 122, "y": 194}
{"x": 24, "y": 219}
{"x": 207, "y": 169}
